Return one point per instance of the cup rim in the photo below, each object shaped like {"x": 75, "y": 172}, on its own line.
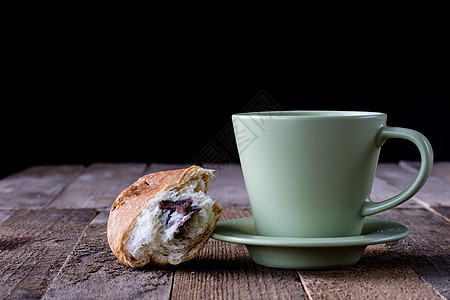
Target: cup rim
{"x": 312, "y": 114}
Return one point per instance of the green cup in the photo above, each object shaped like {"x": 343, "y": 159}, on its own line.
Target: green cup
{"x": 310, "y": 173}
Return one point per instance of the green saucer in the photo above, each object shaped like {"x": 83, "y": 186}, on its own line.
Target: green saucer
{"x": 307, "y": 253}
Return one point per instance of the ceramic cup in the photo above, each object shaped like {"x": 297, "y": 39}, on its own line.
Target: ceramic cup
{"x": 310, "y": 173}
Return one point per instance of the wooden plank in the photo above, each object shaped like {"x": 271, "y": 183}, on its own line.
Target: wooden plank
{"x": 4, "y": 214}
{"x": 433, "y": 193}
{"x": 379, "y": 275}
{"x": 33, "y": 252}
{"x": 93, "y": 272}
{"x": 36, "y": 187}
{"x": 228, "y": 188}
{"x": 444, "y": 211}
{"x": 416, "y": 267}
{"x": 440, "y": 171}
{"x": 226, "y": 271}
{"x": 34, "y": 245}
{"x": 98, "y": 185}
{"x": 381, "y": 190}
{"x": 426, "y": 249}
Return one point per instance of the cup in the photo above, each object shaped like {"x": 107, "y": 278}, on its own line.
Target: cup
{"x": 310, "y": 173}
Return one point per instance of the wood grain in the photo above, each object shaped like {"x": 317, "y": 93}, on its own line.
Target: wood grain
{"x": 93, "y": 272}
{"x": 379, "y": 275}
{"x": 443, "y": 211}
{"x": 4, "y": 214}
{"x": 99, "y": 185}
{"x": 36, "y": 187}
{"x": 61, "y": 253}
{"x": 427, "y": 248}
{"x": 433, "y": 193}
{"x": 440, "y": 171}
{"x": 382, "y": 190}
{"x": 226, "y": 271}
{"x": 417, "y": 267}
{"x": 33, "y": 246}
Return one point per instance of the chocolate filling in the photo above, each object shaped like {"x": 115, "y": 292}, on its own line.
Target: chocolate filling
{"x": 183, "y": 207}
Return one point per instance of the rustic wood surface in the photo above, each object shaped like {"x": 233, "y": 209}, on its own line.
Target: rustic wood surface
{"x": 53, "y": 242}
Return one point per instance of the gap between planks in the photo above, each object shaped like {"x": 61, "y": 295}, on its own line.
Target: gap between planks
{"x": 48, "y": 204}
{"x": 387, "y": 271}
{"x": 153, "y": 168}
{"x": 226, "y": 271}
{"x": 93, "y": 272}
{"x": 70, "y": 253}
{"x": 431, "y": 209}
{"x": 413, "y": 168}
{"x": 34, "y": 251}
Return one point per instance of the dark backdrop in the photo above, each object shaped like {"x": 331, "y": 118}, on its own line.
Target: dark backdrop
{"x": 104, "y": 91}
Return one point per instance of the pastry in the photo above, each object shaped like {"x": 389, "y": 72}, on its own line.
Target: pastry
{"x": 163, "y": 218}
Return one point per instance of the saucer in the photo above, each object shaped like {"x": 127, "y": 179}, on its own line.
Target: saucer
{"x": 307, "y": 253}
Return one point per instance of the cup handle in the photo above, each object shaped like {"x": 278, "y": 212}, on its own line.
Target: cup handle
{"x": 426, "y": 155}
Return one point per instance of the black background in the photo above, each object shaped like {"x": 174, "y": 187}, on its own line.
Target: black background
{"x": 81, "y": 89}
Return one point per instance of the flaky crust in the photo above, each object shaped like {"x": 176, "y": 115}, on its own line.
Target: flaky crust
{"x": 131, "y": 201}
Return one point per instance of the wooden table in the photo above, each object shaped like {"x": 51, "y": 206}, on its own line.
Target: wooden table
{"x": 53, "y": 242}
